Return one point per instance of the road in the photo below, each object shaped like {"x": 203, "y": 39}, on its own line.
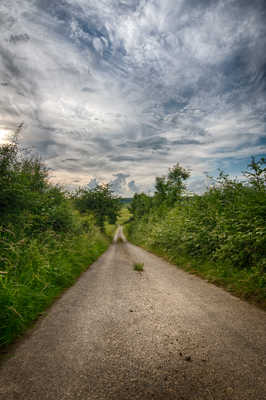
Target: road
{"x": 157, "y": 334}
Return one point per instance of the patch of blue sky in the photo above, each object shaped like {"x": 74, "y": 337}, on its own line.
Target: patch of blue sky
{"x": 235, "y": 166}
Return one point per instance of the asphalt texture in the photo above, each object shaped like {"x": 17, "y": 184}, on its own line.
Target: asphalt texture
{"x": 157, "y": 334}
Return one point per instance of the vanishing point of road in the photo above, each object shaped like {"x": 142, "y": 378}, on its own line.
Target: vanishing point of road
{"x": 157, "y": 334}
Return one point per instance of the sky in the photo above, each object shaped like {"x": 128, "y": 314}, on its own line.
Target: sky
{"x": 121, "y": 90}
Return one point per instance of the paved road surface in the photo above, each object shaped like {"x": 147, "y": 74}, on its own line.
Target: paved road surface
{"x": 160, "y": 334}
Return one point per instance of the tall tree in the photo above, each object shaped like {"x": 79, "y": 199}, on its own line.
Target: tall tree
{"x": 101, "y": 201}
{"x": 169, "y": 188}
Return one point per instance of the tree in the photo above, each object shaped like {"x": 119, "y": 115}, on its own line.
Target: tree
{"x": 169, "y": 188}
{"x": 256, "y": 173}
{"x": 22, "y": 180}
{"x": 100, "y": 201}
{"x": 140, "y": 205}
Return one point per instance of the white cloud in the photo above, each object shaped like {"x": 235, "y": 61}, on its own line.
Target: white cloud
{"x": 97, "y": 84}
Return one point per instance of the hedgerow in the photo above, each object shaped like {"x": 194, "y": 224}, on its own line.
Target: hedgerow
{"x": 219, "y": 234}
{"x": 45, "y": 243}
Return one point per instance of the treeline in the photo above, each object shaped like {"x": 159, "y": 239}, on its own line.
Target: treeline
{"x": 219, "y": 234}
{"x": 47, "y": 237}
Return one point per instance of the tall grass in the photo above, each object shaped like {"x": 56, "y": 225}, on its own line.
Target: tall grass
{"x": 37, "y": 270}
{"x": 44, "y": 241}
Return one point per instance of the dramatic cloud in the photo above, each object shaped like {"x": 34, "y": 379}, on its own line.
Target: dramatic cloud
{"x": 118, "y": 91}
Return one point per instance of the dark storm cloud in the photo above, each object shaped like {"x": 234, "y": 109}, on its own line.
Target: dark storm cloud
{"x": 71, "y": 160}
{"x": 103, "y": 143}
{"x": 131, "y": 159}
{"x": 136, "y": 84}
{"x": 185, "y": 141}
{"x": 16, "y": 38}
{"x": 171, "y": 106}
{"x": 153, "y": 143}
{"x": 9, "y": 66}
{"x": 87, "y": 89}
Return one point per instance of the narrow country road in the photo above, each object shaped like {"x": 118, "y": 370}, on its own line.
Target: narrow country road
{"x": 157, "y": 334}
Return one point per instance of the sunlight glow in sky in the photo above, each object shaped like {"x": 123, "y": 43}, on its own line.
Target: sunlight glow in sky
{"x": 4, "y": 135}
{"x": 120, "y": 90}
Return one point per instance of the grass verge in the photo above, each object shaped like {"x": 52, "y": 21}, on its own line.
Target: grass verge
{"x": 248, "y": 284}
{"x": 109, "y": 230}
{"x": 41, "y": 269}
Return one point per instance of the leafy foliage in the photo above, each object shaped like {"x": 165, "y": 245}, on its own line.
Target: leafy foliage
{"x": 225, "y": 227}
{"x": 124, "y": 215}
{"x": 44, "y": 241}
{"x": 100, "y": 201}
{"x": 256, "y": 173}
{"x": 169, "y": 189}
{"x": 27, "y": 199}
{"x": 140, "y": 205}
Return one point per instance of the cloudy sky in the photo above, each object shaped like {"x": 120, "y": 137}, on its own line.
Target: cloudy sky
{"x": 120, "y": 90}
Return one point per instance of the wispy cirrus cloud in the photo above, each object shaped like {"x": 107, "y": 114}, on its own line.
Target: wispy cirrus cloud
{"x": 131, "y": 87}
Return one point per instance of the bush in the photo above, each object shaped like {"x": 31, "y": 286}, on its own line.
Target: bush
{"x": 224, "y": 227}
{"x": 44, "y": 241}
{"x": 100, "y": 201}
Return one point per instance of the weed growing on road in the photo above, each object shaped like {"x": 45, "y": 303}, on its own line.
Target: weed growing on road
{"x": 138, "y": 267}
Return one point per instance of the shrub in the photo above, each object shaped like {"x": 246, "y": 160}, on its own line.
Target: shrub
{"x": 224, "y": 226}
{"x": 44, "y": 241}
